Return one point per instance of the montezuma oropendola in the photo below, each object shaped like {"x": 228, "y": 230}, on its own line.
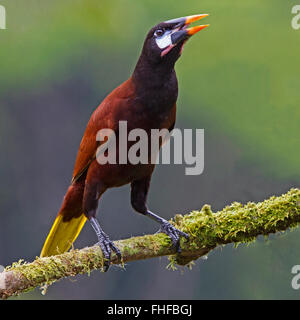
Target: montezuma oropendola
{"x": 146, "y": 100}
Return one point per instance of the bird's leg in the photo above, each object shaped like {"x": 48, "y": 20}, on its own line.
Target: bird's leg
{"x": 91, "y": 197}
{"x": 105, "y": 243}
{"x": 139, "y": 192}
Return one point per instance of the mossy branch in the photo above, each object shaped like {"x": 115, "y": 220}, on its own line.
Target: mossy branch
{"x": 234, "y": 224}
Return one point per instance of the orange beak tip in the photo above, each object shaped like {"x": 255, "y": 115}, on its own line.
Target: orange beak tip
{"x": 196, "y": 17}
{"x": 194, "y": 30}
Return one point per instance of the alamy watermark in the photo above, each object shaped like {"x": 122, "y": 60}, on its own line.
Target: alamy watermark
{"x": 138, "y": 146}
{"x": 296, "y": 18}
{"x": 1, "y": 268}
{"x": 2, "y": 17}
{"x": 295, "y": 283}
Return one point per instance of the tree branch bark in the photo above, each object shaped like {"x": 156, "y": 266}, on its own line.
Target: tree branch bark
{"x": 234, "y": 224}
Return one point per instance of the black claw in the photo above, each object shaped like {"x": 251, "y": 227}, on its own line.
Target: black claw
{"x": 178, "y": 249}
{"x": 174, "y": 234}
{"x": 107, "y": 246}
{"x": 118, "y": 252}
{"x": 183, "y": 234}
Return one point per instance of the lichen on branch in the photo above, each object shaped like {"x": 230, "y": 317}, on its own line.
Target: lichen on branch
{"x": 236, "y": 223}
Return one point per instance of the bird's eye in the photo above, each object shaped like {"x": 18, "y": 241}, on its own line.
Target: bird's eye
{"x": 158, "y": 33}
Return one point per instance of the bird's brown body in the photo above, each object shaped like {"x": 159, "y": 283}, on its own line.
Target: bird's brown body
{"x": 122, "y": 104}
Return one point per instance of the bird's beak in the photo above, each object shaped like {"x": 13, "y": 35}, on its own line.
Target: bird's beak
{"x": 181, "y": 30}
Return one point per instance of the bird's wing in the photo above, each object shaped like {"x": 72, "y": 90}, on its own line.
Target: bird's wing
{"x": 85, "y": 156}
{"x": 102, "y": 118}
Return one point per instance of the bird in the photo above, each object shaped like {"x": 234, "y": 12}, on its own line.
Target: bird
{"x": 146, "y": 100}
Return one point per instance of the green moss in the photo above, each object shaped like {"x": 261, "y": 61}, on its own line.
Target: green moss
{"x": 239, "y": 224}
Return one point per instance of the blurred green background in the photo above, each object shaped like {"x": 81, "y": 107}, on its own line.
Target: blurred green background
{"x": 238, "y": 79}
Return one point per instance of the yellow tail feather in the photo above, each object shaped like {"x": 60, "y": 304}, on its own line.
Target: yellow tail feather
{"x": 62, "y": 235}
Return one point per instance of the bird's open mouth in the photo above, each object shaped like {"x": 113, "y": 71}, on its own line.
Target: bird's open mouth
{"x": 182, "y": 32}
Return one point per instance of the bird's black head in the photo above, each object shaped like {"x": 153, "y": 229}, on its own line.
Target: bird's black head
{"x": 164, "y": 42}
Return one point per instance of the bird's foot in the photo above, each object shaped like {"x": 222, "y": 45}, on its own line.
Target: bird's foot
{"x": 107, "y": 246}
{"x": 173, "y": 233}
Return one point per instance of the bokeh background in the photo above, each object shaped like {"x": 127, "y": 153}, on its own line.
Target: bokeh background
{"x": 238, "y": 79}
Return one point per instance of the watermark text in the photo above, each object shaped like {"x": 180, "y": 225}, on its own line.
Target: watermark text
{"x": 296, "y": 18}
{"x": 296, "y": 279}
{"x": 138, "y": 146}
{"x": 2, "y": 17}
